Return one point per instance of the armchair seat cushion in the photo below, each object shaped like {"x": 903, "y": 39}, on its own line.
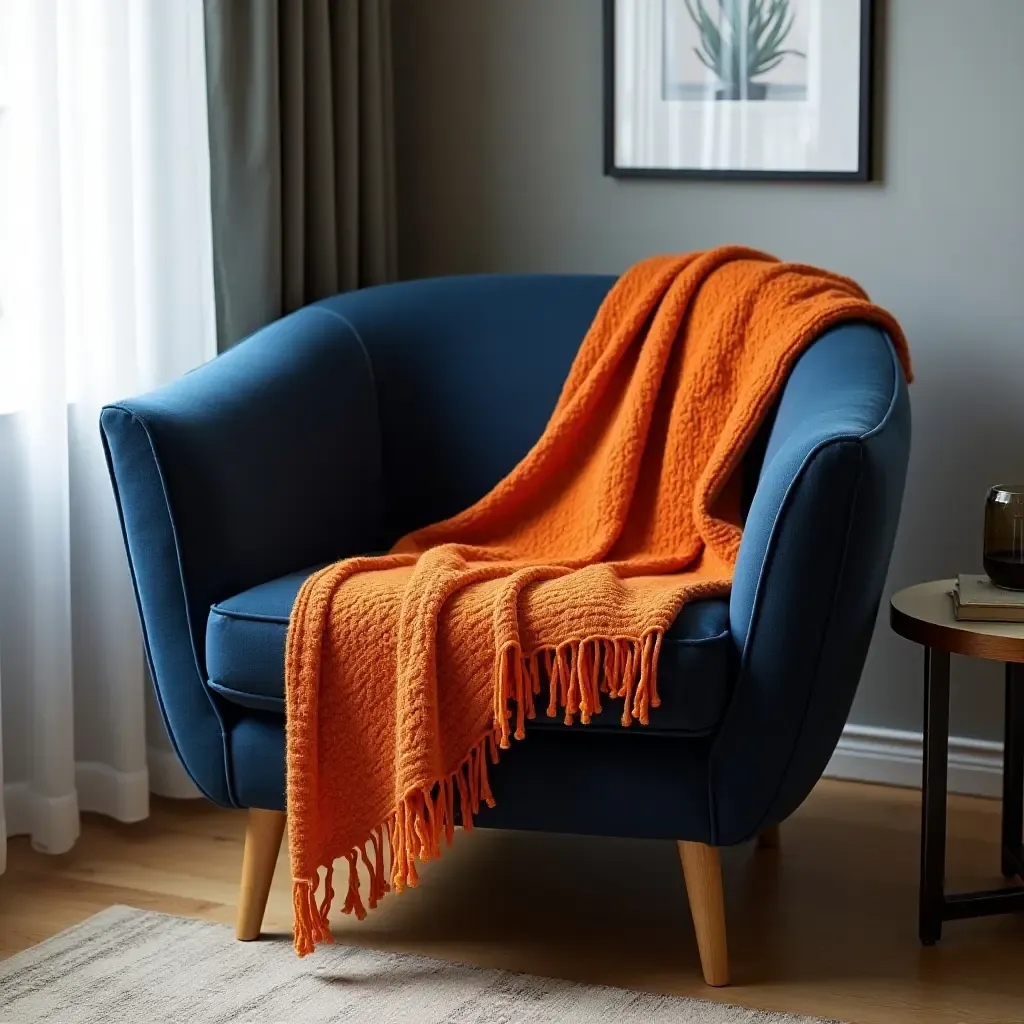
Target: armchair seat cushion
{"x": 245, "y": 641}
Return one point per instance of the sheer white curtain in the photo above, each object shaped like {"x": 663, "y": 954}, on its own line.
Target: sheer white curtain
{"x": 106, "y": 290}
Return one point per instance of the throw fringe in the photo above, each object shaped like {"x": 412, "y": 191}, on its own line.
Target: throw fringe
{"x": 577, "y": 673}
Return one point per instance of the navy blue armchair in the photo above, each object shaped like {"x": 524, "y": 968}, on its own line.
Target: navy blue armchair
{"x": 339, "y": 428}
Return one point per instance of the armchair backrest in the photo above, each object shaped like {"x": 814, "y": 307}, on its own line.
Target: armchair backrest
{"x": 467, "y": 372}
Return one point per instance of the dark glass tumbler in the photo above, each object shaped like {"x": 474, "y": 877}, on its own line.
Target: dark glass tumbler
{"x": 1004, "y": 536}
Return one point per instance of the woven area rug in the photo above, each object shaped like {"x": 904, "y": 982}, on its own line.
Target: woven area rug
{"x": 133, "y": 965}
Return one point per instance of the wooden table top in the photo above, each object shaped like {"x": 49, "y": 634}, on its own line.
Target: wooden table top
{"x": 924, "y": 614}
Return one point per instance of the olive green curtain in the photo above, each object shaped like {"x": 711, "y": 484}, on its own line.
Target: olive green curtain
{"x": 302, "y": 153}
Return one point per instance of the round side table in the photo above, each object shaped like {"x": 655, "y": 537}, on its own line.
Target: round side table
{"x": 924, "y": 614}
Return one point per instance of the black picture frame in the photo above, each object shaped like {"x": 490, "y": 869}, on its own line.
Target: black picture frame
{"x": 865, "y": 148}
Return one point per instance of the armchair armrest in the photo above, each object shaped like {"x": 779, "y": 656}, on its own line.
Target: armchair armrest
{"x": 261, "y": 462}
{"x": 810, "y": 574}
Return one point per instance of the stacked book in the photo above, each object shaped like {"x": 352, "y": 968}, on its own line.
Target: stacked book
{"x": 978, "y": 599}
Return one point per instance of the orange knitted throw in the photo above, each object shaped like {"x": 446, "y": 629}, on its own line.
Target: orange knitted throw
{"x": 551, "y": 594}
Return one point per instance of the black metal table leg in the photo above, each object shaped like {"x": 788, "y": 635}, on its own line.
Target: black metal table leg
{"x": 933, "y": 795}
{"x": 1013, "y": 773}
{"x": 923, "y": 614}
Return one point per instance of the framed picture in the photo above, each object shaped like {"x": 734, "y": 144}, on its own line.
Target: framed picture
{"x": 755, "y": 89}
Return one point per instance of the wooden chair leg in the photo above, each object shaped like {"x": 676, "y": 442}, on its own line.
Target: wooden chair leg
{"x": 702, "y": 869}
{"x": 263, "y": 832}
{"x": 769, "y": 839}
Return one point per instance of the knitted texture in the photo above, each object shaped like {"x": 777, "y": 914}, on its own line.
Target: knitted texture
{"x": 405, "y": 673}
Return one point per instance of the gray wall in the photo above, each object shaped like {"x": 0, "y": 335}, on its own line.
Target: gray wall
{"x": 500, "y": 160}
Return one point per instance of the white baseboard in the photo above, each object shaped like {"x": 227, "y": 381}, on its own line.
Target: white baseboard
{"x": 52, "y": 822}
{"x": 167, "y": 776}
{"x": 893, "y": 757}
{"x": 105, "y": 790}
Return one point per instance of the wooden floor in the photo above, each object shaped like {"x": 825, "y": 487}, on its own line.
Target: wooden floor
{"x": 825, "y": 926}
